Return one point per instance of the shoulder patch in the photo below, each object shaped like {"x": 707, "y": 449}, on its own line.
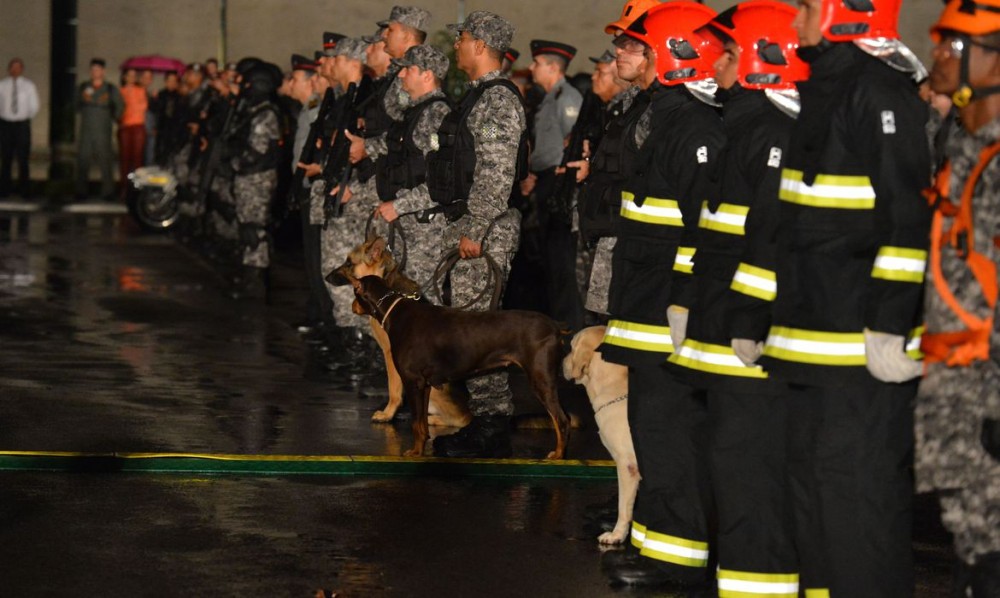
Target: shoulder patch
{"x": 888, "y": 122}
{"x": 774, "y": 159}
{"x": 702, "y": 154}
{"x": 491, "y": 131}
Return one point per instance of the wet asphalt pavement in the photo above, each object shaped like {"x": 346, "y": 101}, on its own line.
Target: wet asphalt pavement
{"x": 116, "y": 341}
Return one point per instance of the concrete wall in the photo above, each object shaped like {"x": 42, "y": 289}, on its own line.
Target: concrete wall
{"x": 274, "y": 29}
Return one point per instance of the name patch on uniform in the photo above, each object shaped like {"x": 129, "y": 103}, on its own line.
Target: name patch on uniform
{"x": 702, "y": 154}
{"x": 888, "y": 122}
{"x": 774, "y": 159}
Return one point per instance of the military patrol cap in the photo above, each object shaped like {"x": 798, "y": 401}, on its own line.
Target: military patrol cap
{"x": 371, "y": 39}
{"x": 607, "y": 58}
{"x": 351, "y": 47}
{"x": 495, "y": 31}
{"x": 426, "y": 58}
{"x": 330, "y": 41}
{"x": 301, "y": 63}
{"x": 541, "y": 46}
{"x": 512, "y": 55}
{"x": 411, "y": 16}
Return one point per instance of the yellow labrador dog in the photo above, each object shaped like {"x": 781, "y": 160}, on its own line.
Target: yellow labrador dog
{"x": 373, "y": 258}
{"x": 607, "y": 388}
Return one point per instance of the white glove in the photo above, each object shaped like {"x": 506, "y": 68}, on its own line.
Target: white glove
{"x": 748, "y": 350}
{"x": 887, "y": 359}
{"x": 677, "y": 317}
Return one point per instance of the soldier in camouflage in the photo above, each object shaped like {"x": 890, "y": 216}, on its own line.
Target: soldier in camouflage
{"x": 497, "y": 126}
{"x": 418, "y": 217}
{"x": 256, "y": 176}
{"x": 958, "y": 404}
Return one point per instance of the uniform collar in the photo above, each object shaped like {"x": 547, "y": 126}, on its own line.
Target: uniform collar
{"x": 497, "y": 74}
{"x": 744, "y": 105}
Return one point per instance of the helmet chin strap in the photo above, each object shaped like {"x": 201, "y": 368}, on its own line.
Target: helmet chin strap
{"x": 966, "y": 93}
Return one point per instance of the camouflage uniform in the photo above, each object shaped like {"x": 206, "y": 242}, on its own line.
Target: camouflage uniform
{"x": 254, "y": 191}
{"x": 423, "y": 240}
{"x": 600, "y": 270}
{"x": 497, "y": 122}
{"x": 953, "y": 402}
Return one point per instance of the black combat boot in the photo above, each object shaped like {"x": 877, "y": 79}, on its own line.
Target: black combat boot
{"x": 487, "y": 437}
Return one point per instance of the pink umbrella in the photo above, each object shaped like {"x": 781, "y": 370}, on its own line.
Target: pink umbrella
{"x": 154, "y": 62}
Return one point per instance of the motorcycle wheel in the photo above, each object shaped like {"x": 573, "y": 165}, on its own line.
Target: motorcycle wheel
{"x": 153, "y": 209}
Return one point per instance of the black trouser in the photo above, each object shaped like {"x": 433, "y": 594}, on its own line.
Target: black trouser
{"x": 669, "y": 427}
{"x": 750, "y": 484}
{"x": 319, "y": 306}
{"x": 564, "y": 300}
{"x": 15, "y": 143}
{"x": 850, "y": 456}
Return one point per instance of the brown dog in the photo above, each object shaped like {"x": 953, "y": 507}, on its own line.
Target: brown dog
{"x": 372, "y": 258}
{"x": 432, "y": 345}
{"x": 607, "y": 388}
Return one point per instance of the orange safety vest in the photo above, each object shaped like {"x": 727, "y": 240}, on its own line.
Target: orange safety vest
{"x": 962, "y": 348}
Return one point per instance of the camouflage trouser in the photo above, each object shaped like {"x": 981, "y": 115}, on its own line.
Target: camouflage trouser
{"x": 423, "y": 248}
{"x": 253, "y": 194}
{"x": 224, "y": 228}
{"x": 490, "y": 394}
{"x": 584, "y": 263}
{"x": 337, "y": 239}
{"x": 600, "y": 276}
{"x": 951, "y": 406}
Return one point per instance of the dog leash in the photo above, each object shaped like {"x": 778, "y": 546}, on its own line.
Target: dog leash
{"x": 611, "y": 402}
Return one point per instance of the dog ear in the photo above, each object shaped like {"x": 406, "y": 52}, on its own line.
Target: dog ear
{"x": 375, "y": 250}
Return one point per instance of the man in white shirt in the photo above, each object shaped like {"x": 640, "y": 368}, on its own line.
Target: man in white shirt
{"x": 18, "y": 105}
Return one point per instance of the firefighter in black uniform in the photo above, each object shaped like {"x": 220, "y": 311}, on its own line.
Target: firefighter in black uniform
{"x": 852, "y": 249}
{"x": 659, "y": 204}
{"x": 756, "y": 76}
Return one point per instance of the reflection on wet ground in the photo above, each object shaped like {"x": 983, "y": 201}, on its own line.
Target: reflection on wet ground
{"x": 116, "y": 341}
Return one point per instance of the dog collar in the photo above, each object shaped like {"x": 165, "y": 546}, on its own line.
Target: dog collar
{"x": 389, "y": 311}
{"x": 611, "y": 402}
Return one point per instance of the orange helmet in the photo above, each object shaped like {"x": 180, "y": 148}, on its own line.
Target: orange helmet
{"x": 763, "y": 31}
{"x": 670, "y": 29}
{"x": 971, "y": 17}
{"x": 846, "y": 20}
{"x": 632, "y": 10}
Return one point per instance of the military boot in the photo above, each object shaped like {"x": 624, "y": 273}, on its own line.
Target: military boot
{"x": 488, "y": 436}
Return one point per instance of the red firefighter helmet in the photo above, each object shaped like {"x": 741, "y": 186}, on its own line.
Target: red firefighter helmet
{"x": 763, "y": 31}
{"x": 670, "y": 29}
{"x": 846, "y": 20}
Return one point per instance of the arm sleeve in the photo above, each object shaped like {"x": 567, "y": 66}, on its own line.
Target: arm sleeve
{"x": 32, "y": 101}
{"x": 892, "y": 127}
{"x": 496, "y": 123}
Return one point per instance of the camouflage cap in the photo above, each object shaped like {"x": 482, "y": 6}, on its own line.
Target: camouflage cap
{"x": 607, "y": 58}
{"x": 377, "y": 37}
{"x": 426, "y": 58}
{"x": 411, "y": 16}
{"x": 351, "y": 47}
{"x": 496, "y": 31}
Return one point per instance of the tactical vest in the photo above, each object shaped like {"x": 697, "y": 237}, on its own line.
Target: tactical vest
{"x": 252, "y": 162}
{"x": 451, "y": 169}
{"x": 615, "y": 161}
{"x": 404, "y": 166}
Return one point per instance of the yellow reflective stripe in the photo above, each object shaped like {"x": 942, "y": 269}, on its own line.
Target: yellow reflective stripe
{"x": 672, "y": 549}
{"x": 755, "y": 282}
{"x": 827, "y": 191}
{"x": 900, "y": 264}
{"x": 727, "y": 218}
{"x": 652, "y": 211}
{"x": 641, "y": 337}
{"x": 817, "y": 593}
{"x": 684, "y": 262}
{"x": 816, "y": 347}
{"x": 715, "y": 359}
{"x": 913, "y": 344}
{"x": 739, "y": 584}
{"x": 638, "y": 534}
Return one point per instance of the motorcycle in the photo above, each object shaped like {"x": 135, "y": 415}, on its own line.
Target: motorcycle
{"x": 154, "y": 198}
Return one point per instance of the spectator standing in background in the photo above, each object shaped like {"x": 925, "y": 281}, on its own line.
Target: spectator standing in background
{"x": 18, "y": 105}
{"x": 99, "y": 104}
{"x": 132, "y": 126}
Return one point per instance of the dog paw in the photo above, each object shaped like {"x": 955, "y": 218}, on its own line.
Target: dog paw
{"x": 555, "y": 455}
{"x": 382, "y": 417}
{"x": 611, "y": 538}
{"x": 413, "y": 453}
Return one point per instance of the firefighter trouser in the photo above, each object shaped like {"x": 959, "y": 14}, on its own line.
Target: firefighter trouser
{"x": 748, "y": 464}
{"x": 850, "y": 450}
{"x": 669, "y": 427}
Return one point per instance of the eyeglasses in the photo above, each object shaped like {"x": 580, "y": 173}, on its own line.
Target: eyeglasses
{"x": 630, "y": 45}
